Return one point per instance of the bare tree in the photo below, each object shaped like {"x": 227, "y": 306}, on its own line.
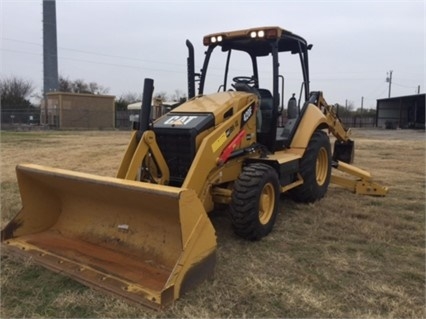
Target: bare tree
{"x": 65, "y": 84}
{"x": 126, "y": 99}
{"x": 96, "y": 88}
{"x": 350, "y": 106}
{"x": 80, "y": 86}
{"x": 178, "y": 94}
{"x": 15, "y": 92}
{"x": 131, "y": 97}
{"x": 161, "y": 96}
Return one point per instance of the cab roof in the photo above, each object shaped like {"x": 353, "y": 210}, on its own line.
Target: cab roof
{"x": 256, "y": 41}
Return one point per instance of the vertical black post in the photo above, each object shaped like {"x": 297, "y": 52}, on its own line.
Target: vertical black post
{"x": 145, "y": 113}
{"x": 191, "y": 70}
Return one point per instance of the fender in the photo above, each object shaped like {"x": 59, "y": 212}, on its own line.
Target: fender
{"x": 312, "y": 119}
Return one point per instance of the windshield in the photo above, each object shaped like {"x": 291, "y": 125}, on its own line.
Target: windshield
{"x": 224, "y": 66}
{"x": 217, "y": 79}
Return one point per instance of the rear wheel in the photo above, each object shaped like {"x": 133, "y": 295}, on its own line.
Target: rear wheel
{"x": 315, "y": 168}
{"x": 255, "y": 201}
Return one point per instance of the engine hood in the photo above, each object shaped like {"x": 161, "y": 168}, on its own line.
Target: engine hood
{"x": 221, "y": 105}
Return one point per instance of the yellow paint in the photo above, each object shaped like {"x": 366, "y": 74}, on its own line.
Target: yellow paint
{"x": 360, "y": 181}
{"x": 80, "y": 217}
{"x": 219, "y": 142}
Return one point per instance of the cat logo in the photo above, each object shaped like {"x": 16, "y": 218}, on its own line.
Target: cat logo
{"x": 180, "y": 120}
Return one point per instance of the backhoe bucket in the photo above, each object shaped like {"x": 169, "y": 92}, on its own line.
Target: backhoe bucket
{"x": 344, "y": 151}
{"x": 148, "y": 243}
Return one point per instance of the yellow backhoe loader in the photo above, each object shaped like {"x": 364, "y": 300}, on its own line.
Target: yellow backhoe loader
{"x": 145, "y": 234}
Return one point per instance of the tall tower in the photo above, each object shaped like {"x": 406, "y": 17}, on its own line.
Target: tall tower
{"x": 50, "y": 48}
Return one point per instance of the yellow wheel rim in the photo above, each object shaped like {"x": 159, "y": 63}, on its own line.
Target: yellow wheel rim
{"x": 266, "y": 203}
{"x": 322, "y": 166}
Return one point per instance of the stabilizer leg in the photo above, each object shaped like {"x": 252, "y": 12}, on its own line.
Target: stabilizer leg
{"x": 363, "y": 183}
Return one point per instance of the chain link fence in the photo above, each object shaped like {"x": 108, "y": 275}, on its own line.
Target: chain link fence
{"x": 359, "y": 121}
{"x": 124, "y": 119}
{"x": 20, "y": 116}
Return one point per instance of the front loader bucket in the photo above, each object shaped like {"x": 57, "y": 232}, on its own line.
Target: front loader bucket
{"x": 148, "y": 243}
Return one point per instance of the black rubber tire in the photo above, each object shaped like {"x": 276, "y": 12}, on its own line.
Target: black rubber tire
{"x": 255, "y": 201}
{"x": 315, "y": 185}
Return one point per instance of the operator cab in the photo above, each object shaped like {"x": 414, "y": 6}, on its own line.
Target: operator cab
{"x": 258, "y": 61}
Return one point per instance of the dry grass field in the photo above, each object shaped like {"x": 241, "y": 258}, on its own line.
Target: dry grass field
{"x": 345, "y": 256}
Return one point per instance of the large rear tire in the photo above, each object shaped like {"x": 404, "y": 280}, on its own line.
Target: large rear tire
{"x": 255, "y": 201}
{"x": 315, "y": 168}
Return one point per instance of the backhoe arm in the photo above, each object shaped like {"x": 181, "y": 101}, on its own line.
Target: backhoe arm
{"x": 343, "y": 154}
{"x": 335, "y": 125}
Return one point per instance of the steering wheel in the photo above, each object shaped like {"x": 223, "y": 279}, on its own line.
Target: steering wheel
{"x": 244, "y": 79}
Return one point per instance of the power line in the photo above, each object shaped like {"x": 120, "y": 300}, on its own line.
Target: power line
{"x": 404, "y": 86}
{"x": 321, "y": 76}
{"x": 97, "y": 53}
{"x": 115, "y": 64}
{"x": 121, "y": 65}
{"x": 20, "y": 51}
{"x": 313, "y": 75}
{"x": 97, "y": 62}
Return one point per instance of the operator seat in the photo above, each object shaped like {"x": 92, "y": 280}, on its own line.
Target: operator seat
{"x": 265, "y": 105}
{"x": 264, "y": 115}
{"x": 266, "y": 109}
{"x": 244, "y": 87}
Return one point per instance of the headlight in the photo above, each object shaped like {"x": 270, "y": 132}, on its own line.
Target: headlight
{"x": 215, "y": 39}
{"x": 257, "y": 34}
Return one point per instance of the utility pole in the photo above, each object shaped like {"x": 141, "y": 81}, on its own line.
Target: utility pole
{"x": 389, "y": 80}
{"x": 362, "y": 106}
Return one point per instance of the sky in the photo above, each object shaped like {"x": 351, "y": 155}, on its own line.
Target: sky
{"x": 119, "y": 43}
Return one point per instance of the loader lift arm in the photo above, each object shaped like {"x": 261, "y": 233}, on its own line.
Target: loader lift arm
{"x": 343, "y": 155}
{"x": 144, "y": 149}
{"x": 142, "y": 152}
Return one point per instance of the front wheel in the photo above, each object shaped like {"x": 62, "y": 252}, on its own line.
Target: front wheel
{"x": 255, "y": 201}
